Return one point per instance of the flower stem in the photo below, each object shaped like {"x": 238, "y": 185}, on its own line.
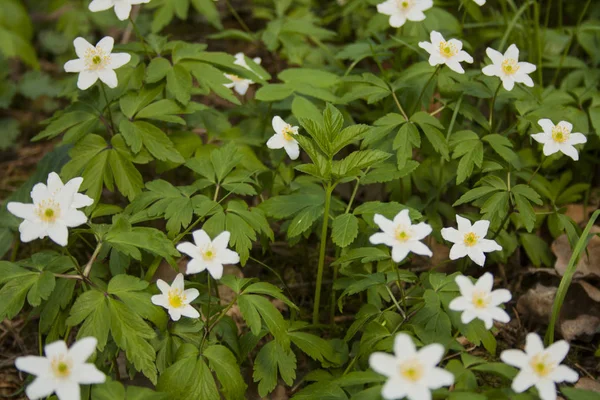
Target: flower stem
{"x": 139, "y": 35}
{"x": 112, "y": 122}
{"x": 534, "y": 173}
{"x": 493, "y": 104}
{"x": 88, "y": 266}
{"x": 322, "y": 250}
{"x": 418, "y": 102}
{"x": 238, "y": 18}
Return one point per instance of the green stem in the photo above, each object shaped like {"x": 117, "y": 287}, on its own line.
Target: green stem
{"x": 534, "y": 173}
{"x": 569, "y": 272}
{"x": 112, "y": 122}
{"x": 208, "y": 304}
{"x": 322, "y": 251}
{"x": 512, "y": 24}
{"x": 238, "y": 18}
{"x": 139, "y": 35}
{"x": 88, "y": 266}
{"x": 418, "y": 102}
{"x": 493, "y": 105}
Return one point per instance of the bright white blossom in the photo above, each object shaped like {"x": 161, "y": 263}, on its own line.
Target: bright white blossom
{"x": 96, "y": 62}
{"x": 176, "y": 299}
{"x": 207, "y": 254}
{"x": 469, "y": 240}
{"x": 540, "y": 367}
{"x": 508, "y": 68}
{"x": 122, "y": 7}
{"x": 401, "y": 235}
{"x": 479, "y": 2}
{"x": 54, "y": 209}
{"x": 284, "y": 138}
{"x": 402, "y": 10}
{"x": 446, "y": 52}
{"x": 411, "y": 373}
{"x": 559, "y": 138}
{"x": 480, "y": 301}
{"x": 239, "y": 84}
{"x": 62, "y": 370}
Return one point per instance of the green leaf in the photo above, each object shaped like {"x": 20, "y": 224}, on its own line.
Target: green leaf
{"x": 91, "y": 307}
{"x": 157, "y": 69}
{"x": 344, "y": 230}
{"x": 316, "y": 347}
{"x": 358, "y": 160}
{"x": 288, "y": 205}
{"x": 503, "y": 147}
{"x": 179, "y": 84}
{"x": 536, "y": 249}
{"x": 126, "y": 176}
{"x": 271, "y": 359}
{"x": 189, "y": 377}
{"x": 223, "y": 362}
{"x": 154, "y": 139}
{"x": 132, "y": 102}
{"x": 12, "y": 295}
{"x": 268, "y": 313}
{"x": 474, "y": 194}
{"x": 347, "y": 136}
{"x": 304, "y": 220}
{"x": 578, "y": 394}
{"x": 274, "y": 92}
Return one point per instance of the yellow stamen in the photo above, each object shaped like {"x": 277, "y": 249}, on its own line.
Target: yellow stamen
{"x": 402, "y": 235}
{"x": 61, "y": 366}
{"x": 411, "y": 370}
{"x": 96, "y": 59}
{"x": 288, "y": 133}
{"x": 48, "y": 210}
{"x": 209, "y": 254}
{"x": 510, "y": 66}
{"x": 448, "y": 49}
{"x": 470, "y": 239}
{"x": 560, "y": 134}
{"x": 542, "y": 364}
{"x": 176, "y": 298}
{"x": 480, "y": 299}
{"x": 405, "y": 4}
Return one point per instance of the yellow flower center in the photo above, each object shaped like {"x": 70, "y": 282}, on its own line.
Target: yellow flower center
{"x": 411, "y": 370}
{"x": 209, "y": 254}
{"x": 448, "y": 49}
{"x": 560, "y": 134}
{"x": 405, "y": 4}
{"x": 288, "y": 133}
{"x": 96, "y": 59}
{"x": 402, "y": 234}
{"x": 48, "y": 210}
{"x": 510, "y": 66}
{"x": 61, "y": 366}
{"x": 176, "y": 298}
{"x": 480, "y": 299}
{"x": 234, "y": 78}
{"x": 470, "y": 239}
{"x": 542, "y": 364}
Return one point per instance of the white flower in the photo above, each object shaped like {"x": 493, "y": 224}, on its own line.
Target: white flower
{"x": 96, "y": 62}
{"x": 411, "y": 373}
{"x": 207, "y": 254}
{"x": 176, "y": 299}
{"x": 479, "y": 301}
{"x": 479, "y": 2}
{"x": 122, "y": 7}
{"x": 239, "y": 84}
{"x": 284, "y": 138}
{"x": 540, "y": 367}
{"x": 446, "y": 52}
{"x": 54, "y": 209}
{"x": 401, "y": 235}
{"x": 402, "y": 10}
{"x": 508, "y": 68}
{"x": 469, "y": 240}
{"x": 559, "y": 138}
{"x": 62, "y": 370}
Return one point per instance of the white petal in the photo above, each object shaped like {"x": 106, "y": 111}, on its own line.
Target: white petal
{"x": 40, "y": 192}
{"x": 550, "y": 148}
{"x": 122, "y": 9}
{"x": 577, "y": 138}
{"x": 86, "y": 79}
{"x": 459, "y": 250}
{"x": 292, "y": 149}
{"x": 512, "y": 52}
{"x": 384, "y": 224}
{"x": 190, "y": 312}
{"x": 31, "y": 230}
{"x": 476, "y": 255}
{"x": 436, "y": 38}
{"x": 499, "y": 315}
{"x": 397, "y": 20}
{"x": 464, "y": 225}
{"x": 570, "y": 151}
{"x": 508, "y": 83}
{"x": 500, "y": 296}
{"x": 241, "y": 87}
{"x": 55, "y": 349}
{"x": 402, "y": 218}
{"x": 382, "y": 238}
{"x": 189, "y": 249}
{"x": 558, "y": 351}
{"x": 195, "y": 266}
{"x": 278, "y": 124}
{"x": 516, "y": 358}
{"x": 201, "y": 238}
{"x": 117, "y": 60}
{"x": 191, "y": 295}
{"x": 109, "y": 77}
{"x": 33, "y": 365}
{"x": 73, "y": 218}
{"x": 435, "y": 59}
{"x": 562, "y": 373}
{"x": 421, "y": 230}
{"x": 533, "y": 344}
{"x": 523, "y": 381}
{"x": 460, "y": 304}
{"x": 465, "y": 285}
{"x": 525, "y": 80}
{"x": 438, "y": 378}
{"x": 40, "y": 388}
{"x": 481, "y": 227}
{"x": 227, "y": 256}
{"x": 418, "y": 392}
{"x": 383, "y": 363}
{"x": 178, "y": 283}
{"x": 455, "y": 66}
{"x": 87, "y": 374}
{"x": 485, "y": 283}
{"x": 547, "y": 389}
{"x": 21, "y": 210}
{"x": 542, "y": 137}
{"x": 431, "y": 354}
{"x": 276, "y": 141}
{"x": 81, "y": 200}
{"x": 215, "y": 270}
{"x": 221, "y": 241}
{"x": 456, "y": 43}
{"x": 491, "y": 70}
{"x": 494, "y": 55}
{"x": 488, "y": 245}
{"x": 428, "y": 47}
{"x": 399, "y": 253}
{"x": 58, "y": 233}
{"x": 82, "y": 46}
{"x": 77, "y": 65}
{"x": 526, "y": 68}
{"x": 452, "y": 235}
{"x": 393, "y": 389}
{"x": 419, "y": 248}
{"x": 415, "y": 15}
{"x": 100, "y": 5}
{"x": 404, "y": 347}
{"x": 175, "y": 314}
{"x": 82, "y": 349}
{"x": 388, "y": 7}
{"x": 467, "y": 316}
{"x": 160, "y": 300}
{"x": 67, "y": 390}
{"x": 546, "y": 124}
{"x": 565, "y": 125}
